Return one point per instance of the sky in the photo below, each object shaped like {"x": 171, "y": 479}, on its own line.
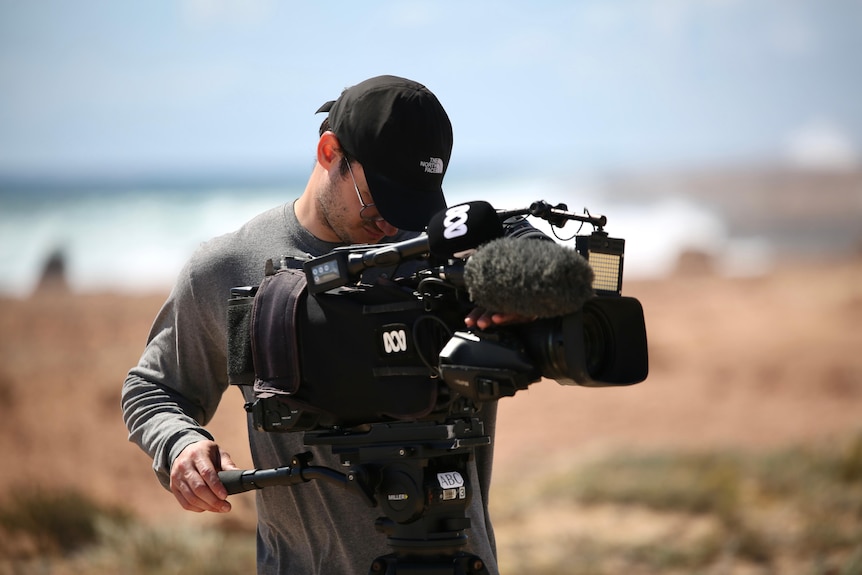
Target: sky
{"x": 185, "y": 86}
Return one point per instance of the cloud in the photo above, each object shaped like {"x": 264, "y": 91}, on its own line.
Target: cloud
{"x": 822, "y": 144}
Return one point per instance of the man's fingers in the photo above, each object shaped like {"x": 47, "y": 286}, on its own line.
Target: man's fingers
{"x": 484, "y": 319}
{"x": 212, "y": 491}
{"x": 186, "y": 492}
{"x": 481, "y": 318}
{"x": 183, "y": 500}
{"x": 194, "y": 479}
{"x": 477, "y": 318}
{"x": 227, "y": 462}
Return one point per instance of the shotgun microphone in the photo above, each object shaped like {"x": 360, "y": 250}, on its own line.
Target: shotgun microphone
{"x": 529, "y": 277}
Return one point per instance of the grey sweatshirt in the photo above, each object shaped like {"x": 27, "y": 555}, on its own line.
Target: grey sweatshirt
{"x": 175, "y": 389}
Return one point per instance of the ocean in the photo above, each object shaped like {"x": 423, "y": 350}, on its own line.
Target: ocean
{"x": 135, "y": 239}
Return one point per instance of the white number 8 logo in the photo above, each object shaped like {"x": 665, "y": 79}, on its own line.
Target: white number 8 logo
{"x": 455, "y": 222}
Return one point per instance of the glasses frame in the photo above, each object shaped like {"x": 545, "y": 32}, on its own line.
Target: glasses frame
{"x": 375, "y": 219}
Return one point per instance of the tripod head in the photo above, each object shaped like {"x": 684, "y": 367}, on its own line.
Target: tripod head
{"x": 415, "y": 472}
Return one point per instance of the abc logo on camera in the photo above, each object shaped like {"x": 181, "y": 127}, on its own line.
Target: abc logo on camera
{"x": 394, "y": 340}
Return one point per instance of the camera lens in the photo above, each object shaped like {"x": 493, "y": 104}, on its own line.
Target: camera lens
{"x": 597, "y": 341}
{"x": 603, "y": 344}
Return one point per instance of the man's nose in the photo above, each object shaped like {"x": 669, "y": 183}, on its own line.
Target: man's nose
{"x": 387, "y": 228}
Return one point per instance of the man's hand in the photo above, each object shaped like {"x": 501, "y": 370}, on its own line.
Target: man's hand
{"x": 194, "y": 477}
{"x": 483, "y": 319}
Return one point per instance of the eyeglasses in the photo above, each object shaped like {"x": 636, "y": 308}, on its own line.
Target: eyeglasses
{"x": 365, "y": 206}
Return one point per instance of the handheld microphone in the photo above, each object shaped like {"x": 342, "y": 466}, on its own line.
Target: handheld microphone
{"x": 528, "y": 277}
{"x": 452, "y": 231}
{"x": 463, "y": 227}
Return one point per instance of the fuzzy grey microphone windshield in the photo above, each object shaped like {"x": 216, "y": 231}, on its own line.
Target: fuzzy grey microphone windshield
{"x": 528, "y": 276}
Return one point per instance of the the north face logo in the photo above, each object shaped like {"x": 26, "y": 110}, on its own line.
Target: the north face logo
{"x": 433, "y": 166}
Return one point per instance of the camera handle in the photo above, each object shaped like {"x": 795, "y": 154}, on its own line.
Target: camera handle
{"x": 417, "y": 476}
{"x": 241, "y": 480}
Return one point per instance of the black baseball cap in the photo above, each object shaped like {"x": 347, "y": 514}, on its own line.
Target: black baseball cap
{"x": 400, "y": 133}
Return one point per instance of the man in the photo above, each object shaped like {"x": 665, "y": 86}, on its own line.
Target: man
{"x": 381, "y": 158}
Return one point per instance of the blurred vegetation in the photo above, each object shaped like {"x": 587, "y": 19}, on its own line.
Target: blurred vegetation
{"x": 64, "y": 533}
{"x": 794, "y": 510}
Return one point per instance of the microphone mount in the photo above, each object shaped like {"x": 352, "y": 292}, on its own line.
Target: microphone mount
{"x": 557, "y": 215}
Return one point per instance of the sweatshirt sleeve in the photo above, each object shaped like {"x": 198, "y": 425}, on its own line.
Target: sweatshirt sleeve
{"x": 177, "y": 385}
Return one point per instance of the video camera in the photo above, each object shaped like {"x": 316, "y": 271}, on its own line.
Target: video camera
{"x": 365, "y": 350}
{"x": 375, "y": 333}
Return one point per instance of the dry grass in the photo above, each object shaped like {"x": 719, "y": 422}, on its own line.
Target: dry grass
{"x": 793, "y": 510}
{"x": 65, "y": 533}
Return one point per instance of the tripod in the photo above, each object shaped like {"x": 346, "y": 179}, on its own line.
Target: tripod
{"x": 415, "y": 472}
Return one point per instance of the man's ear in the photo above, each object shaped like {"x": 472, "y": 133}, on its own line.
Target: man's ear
{"x": 328, "y": 150}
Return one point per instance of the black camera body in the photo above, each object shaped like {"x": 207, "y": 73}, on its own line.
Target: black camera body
{"x": 375, "y": 334}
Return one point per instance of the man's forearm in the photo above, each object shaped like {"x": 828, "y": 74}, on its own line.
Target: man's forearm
{"x": 160, "y": 421}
